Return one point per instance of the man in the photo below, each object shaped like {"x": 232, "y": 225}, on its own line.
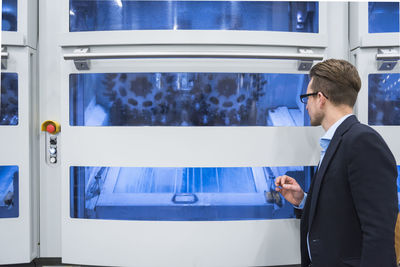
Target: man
{"x": 349, "y": 214}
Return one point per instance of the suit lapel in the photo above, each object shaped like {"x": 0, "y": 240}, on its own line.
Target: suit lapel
{"x": 334, "y": 144}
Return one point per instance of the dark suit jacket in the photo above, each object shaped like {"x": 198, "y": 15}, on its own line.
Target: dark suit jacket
{"x": 351, "y": 208}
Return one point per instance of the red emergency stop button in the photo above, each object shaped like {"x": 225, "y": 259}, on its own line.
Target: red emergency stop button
{"x": 51, "y": 128}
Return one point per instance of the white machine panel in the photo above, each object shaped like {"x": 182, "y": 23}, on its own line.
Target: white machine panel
{"x": 19, "y": 23}
{"x": 374, "y": 24}
{"x": 18, "y": 127}
{"x": 17, "y": 182}
{"x": 91, "y": 142}
{"x": 379, "y": 99}
{"x": 110, "y": 151}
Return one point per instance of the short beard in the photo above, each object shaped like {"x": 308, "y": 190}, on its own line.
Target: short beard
{"x": 317, "y": 119}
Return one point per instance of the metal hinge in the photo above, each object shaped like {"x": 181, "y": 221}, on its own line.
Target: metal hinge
{"x": 82, "y": 63}
{"x": 305, "y": 65}
{"x": 4, "y": 57}
{"x": 387, "y": 58}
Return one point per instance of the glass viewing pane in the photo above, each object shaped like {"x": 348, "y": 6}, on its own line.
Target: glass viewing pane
{"x": 187, "y": 99}
{"x": 384, "y": 99}
{"x": 9, "y": 192}
{"x": 383, "y": 17}
{"x": 9, "y": 15}
{"x": 181, "y": 194}
{"x": 109, "y": 15}
{"x": 9, "y": 99}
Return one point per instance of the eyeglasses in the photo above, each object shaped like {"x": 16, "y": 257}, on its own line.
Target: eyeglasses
{"x": 304, "y": 98}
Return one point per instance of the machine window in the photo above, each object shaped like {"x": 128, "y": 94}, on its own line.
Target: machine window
{"x": 187, "y": 99}
{"x": 383, "y": 17}
{"x": 181, "y": 194}
{"x": 9, "y": 191}
{"x": 111, "y": 15}
{"x": 384, "y": 99}
{"x": 9, "y": 15}
{"x": 9, "y": 99}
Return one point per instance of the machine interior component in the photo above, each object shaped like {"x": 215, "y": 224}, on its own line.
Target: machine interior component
{"x": 9, "y": 99}
{"x": 187, "y": 99}
{"x": 9, "y": 191}
{"x": 103, "y": 15}
{"x": 181, "y": 194}
{"x": 383, "y": 17}
{"x": 384, "y": 99}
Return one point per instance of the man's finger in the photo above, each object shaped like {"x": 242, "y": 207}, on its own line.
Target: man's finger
{"x": 278, "y": 181}
{"x": 286, "y": 180}
{"x": 289, "y": 187}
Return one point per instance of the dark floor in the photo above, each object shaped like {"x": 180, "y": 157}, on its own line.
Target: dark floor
{"x": 55, "y": 262}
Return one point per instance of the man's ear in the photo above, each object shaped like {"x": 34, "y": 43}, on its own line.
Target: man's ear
{"x": 321, "y": 99}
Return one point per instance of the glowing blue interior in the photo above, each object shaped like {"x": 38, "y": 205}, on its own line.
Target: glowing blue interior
{"x": 384, "y": 99}
{"x": 9, "y": 192}
{"x": 187, "y": 99}
{"x": 383, "y": 17}
{"x": 9, "y": 99}
{"x": 181, "y": 194}
{"x": 9, "y": 15}
{"x": 109, "y": 15}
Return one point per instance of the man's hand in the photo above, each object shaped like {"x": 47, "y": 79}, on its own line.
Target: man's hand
{"x": 290, "y": 189}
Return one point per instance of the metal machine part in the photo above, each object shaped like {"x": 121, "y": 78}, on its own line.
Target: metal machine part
{"x": 81, "y": 56}
{"x": 387, "y": 59}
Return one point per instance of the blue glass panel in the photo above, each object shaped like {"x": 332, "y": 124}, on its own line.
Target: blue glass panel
{"x": 187, "y": 99}
{"x": 181, "y": 194}
{"x": 9, "y": 191}
{"x": 9, "y": 15}
{"x": 383, "y": 17}
{"x": 384, "y": 99}
{"x": 9, "y": 99}
{"x": 103, "y": 15}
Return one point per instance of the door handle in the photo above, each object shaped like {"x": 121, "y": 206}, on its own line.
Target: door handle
{"x": 185, "y": 198}
{"x": 81, "y": 56}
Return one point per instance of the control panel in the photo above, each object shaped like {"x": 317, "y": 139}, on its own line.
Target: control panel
{"x": 52, "y": 130}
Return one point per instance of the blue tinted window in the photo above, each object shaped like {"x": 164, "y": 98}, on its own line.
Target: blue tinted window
{"x": 103, "y": 15}
{"x": 384, "y": 99}
{"x": 9, "y": 99}
{"x": 9, "y": 191}
{"x": 9, "y": 15}
{"x": 181, "y": 194}
{"x": 187, "y": 99}
{"x": 383, "y": 17}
